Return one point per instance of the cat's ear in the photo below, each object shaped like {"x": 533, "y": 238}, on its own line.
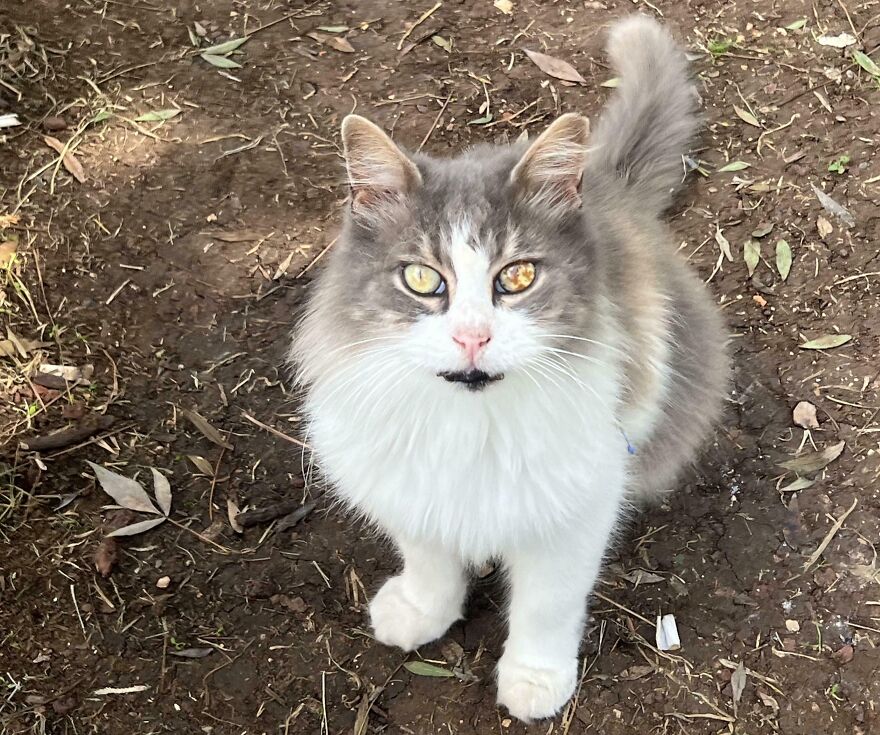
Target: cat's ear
{"x": 378, "y": 171}
{"x": 554, "y": 164}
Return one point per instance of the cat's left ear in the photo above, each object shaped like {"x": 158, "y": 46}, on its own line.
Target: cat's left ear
{"x": 378, "y": 170}
{"x": 554, "y": 163}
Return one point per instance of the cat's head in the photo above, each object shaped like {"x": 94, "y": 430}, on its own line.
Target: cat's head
{"x": 461, "y": 268}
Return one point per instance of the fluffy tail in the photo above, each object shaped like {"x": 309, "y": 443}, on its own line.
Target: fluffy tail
{"x": 652, "y": 116}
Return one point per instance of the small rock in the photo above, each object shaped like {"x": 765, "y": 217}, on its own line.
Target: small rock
{"x": 792, "y": 626}
{"x": 844, "y": 654}
{"x": 163, "y": 582}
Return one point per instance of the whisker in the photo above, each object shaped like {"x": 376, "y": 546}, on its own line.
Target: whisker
{"x": 596, "y": 342}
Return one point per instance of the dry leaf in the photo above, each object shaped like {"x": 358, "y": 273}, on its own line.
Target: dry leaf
{"x": 505, "y": 6}
{"x": 838, "y": 210}
{"x": 667, "y": 633}
{"x": 826, "y": 342}
{"x": 192, "y": 652}
{"x": 162, "y": 491}
{"x": 70, "y": 161}
{"x": 202, "y": 464}
{"x": 823, "y": 226}
{"x": 125, "y": 491}
{"x": 812, "y": 462}
{"x": 751, "y": 255}
{"x": 738, "y": 684}
{"x": 723, "y": 244}
{"x": 7, "y": 220}
{"x": 804, "y": 415}
{"x": 340, "y": 44}
{"x": 136, "y": 528}
{"x": 554, "y": 67}
{"x": 201, "y": 423}
{"x": 746, "y": 116}
{"x": 282, "y": 269}
{"x": 221, "y": 62}
{"x": 232, "y": 511}
{"x": 783, "y": 259}
{"x": 733, "y": 166}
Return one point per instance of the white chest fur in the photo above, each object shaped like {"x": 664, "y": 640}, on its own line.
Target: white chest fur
{"x": 478, "y": 472}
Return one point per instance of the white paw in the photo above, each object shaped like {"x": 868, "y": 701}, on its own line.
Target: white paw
{"x": 533, "y": 693}
{"x": 399, "y": 621}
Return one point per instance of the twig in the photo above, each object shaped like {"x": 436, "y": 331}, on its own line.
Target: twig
{"x": 214, "y": 478}
{"x": 814, "y": 557}
{"x": 201, "y": 537}
{"x": 625, "y": 609}
{"x": 422, "y": 18}
{"x": 71, "y": 435}
{"x": 276, "y": 432}
{"x": 434, "y": 124}
{"x": 316, "y": 259}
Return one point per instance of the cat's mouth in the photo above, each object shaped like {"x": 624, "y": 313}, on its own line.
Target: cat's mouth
{"x": 472, "y": 379}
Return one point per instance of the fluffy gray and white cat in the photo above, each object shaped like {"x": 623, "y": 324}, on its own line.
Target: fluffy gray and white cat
{"x": 504, "y": 350}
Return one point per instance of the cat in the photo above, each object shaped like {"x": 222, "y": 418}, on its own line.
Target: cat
{"x": 505, "y": 352}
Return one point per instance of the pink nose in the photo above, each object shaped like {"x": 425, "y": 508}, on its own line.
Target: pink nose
{"x": 472, "y": 341}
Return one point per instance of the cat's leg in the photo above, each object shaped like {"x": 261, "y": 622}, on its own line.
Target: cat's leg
{"x": 419, "y": 604}
{"x": 549, "y": 588}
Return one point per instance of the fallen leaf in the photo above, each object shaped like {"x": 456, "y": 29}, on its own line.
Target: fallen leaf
{"x": 136, "y": 528}
{"x": 125, "y": 491}
{"x": 162, "y": 491}
{"x": 746, "y": 116}
{"x": 838, "y": 210}
{"x": 227, "y": 47}
{"x": 232, "y": 511}
{"x": 751, "y": 255}
{"x": 556, "y": 68}
{"x": 804, "y": 415}
{"x": 157, "y": 115}
{"x": 8, "y": 250}
{"x": 763, "y": 229}
{"x": 106, "y": 556}
{"x": 797, "y": 25}
{"x": 783, "y": 259}
{"x": 201, "y": 423}
{"x": 202, "y": 464}
{"x": 738, "y": 684}
{"x": 221, "y": 62}
{"x": 442, "y": 43}
{"x": 841, "y": 40}
{"x": 282, "y": 269}
{"x": 812, "y": 462}
{"x": 70, "y": 161}
{"x": 8, "y": 220}
{"x": 639, "y": 576}
{"x": 723, "y": 244}
{"x": 823, "y": 227}
{"x": 423, "y": 668}
{"x": 192, "y": 652}
{"x": 798, "y": 483}
{"x": 733, "y": 166}
{"x": 505, "y": 6}
{"x": 611, "y": 83}
{"x": 9, "y": 120}
{"x": 340, "y": 44}
{"x": 334, "y": 29}
{"x": 867, "y": 63}
{"x": 826, "y": 342}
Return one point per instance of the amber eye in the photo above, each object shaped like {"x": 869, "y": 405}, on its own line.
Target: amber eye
{"x": 515, "y": 277}
{"x": 423, "y": 280}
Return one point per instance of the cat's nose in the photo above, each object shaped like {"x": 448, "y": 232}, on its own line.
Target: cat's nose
{"x": 472, "y": 341}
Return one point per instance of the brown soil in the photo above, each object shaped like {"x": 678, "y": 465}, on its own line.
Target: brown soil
{"x": 126, "y": 272}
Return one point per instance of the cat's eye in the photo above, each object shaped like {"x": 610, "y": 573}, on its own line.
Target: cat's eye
{"x": 423, "y": 280}
{"x": 515, "y": 277}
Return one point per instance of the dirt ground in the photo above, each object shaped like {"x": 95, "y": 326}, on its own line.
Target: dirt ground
{"x": 159, "y": 266}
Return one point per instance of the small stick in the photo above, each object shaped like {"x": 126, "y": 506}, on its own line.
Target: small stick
{"x": 625, "y": 609}
{"x": 66, "y": 437}
{"x": 814, "y": 557}
{"x": 422, "y": 18}
{"x": 317, "y": 258}
{"x": 214, "y": 479}
{"x": 434, "y": 124}
{"x": 273, "y": 430}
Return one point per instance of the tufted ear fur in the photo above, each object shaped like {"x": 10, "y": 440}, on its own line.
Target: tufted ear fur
{"x": 552, "y": 167}
{"x": 378, "y": 171}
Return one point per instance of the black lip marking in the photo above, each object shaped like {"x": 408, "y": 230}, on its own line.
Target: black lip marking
{"x": 472, "y": 379}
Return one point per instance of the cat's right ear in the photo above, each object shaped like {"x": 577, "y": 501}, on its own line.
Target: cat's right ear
{"x": 378, "y": 171}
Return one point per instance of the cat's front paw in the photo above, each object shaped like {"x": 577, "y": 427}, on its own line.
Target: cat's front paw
{"x": 400, "y": 621}
{"x": 534, "y": 692}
